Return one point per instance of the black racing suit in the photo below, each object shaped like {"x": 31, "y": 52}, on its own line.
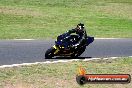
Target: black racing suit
{"x": 82, "y": 34}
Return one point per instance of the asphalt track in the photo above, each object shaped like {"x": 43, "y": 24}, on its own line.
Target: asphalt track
{"x": 29, "y": 51}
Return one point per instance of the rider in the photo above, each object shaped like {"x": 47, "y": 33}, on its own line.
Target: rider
{"x": 81, "y": 32}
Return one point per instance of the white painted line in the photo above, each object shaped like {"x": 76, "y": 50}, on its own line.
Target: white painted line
{"x": 46, "y": 62}
{"x": 91, "y": 59}
{"x": 23, "y": 39}
{"x": 109, "y": 38}
{"x": 114, "y": 57}
{"x": 111, "y": 58}
{"x": 94, "y": 38}
{"x": 59, "y": 61}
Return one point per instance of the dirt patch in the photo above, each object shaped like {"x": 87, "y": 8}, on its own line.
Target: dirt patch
{"x": 19, "y": 84}
{"x": 48, "y": 82}
{"x": 59, "y": 83}
{"x": 119, "y": 10}
{"x": 20, "y": 11}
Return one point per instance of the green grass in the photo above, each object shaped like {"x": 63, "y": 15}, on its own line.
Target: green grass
{"x": 41, "y": 19}
{"x": 63, "y": 74}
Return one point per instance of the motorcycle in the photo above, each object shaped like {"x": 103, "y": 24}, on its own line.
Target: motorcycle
{"x": 64, "y": 46}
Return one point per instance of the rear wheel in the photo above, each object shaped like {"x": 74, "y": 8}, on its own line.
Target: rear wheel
{"x": 81, "y": 50}
{"x": 49, "y": 53}
{"x": 78, "y": 52}
{"x": 74, "y": 56}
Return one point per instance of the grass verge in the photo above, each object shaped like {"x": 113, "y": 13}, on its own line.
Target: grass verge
{"x": 41, "y": 19}
{"x": 62, "y": 75}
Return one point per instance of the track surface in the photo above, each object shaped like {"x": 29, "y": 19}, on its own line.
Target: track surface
{"x": 29, "y": 51}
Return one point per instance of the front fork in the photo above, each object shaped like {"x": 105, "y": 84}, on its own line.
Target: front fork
{"x": 56, "y": 49}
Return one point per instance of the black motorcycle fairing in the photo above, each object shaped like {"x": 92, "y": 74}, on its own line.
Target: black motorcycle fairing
{"x": 64, "y": 46}
{"x": 66, "y": 40}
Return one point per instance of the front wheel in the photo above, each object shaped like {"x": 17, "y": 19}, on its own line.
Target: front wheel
{"x": 49, "y": 53}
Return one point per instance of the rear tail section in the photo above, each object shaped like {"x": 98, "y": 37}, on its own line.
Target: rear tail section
{"x": 90, "y": 40}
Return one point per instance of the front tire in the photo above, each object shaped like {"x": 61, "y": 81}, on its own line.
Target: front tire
{"x": 49, "y": 53}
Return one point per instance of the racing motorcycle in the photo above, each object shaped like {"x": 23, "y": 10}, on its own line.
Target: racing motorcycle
{"x": 64, "y": 46}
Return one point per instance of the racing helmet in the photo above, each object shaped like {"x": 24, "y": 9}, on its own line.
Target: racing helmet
{"x": 80, "y": 26}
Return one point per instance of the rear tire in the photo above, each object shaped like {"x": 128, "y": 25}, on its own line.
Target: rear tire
{"x": 74, "y": 56}
{"x": 81, "y": 50}
{"x": 78, "y": 53}
{"x": 49, "y": 53}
